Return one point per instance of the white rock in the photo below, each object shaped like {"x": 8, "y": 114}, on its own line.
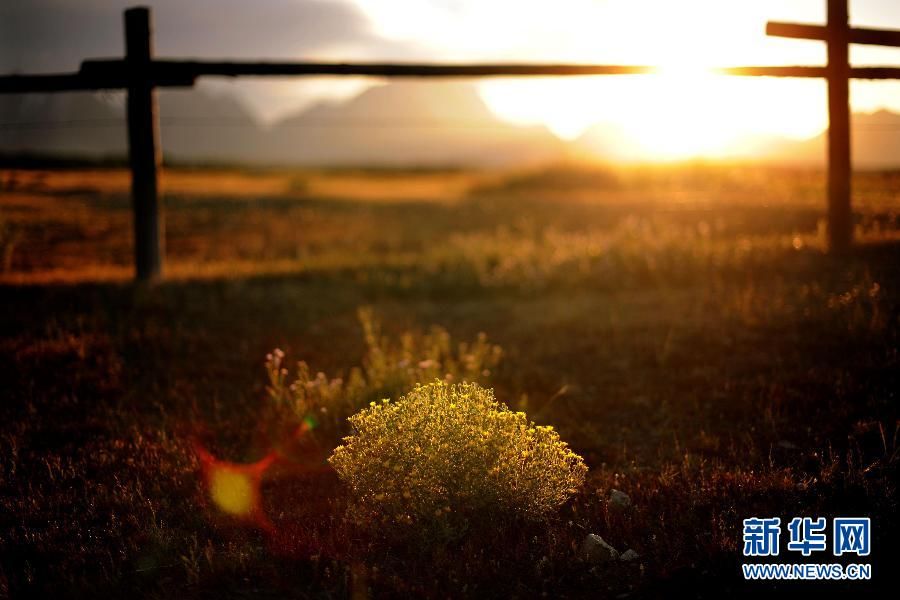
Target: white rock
{"x": 595, "y": 550}
{"x": 629, "y": 555}
{"x": 619, "y": 499}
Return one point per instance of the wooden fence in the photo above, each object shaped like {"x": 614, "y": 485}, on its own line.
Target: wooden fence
{"x": 140, "y": 73}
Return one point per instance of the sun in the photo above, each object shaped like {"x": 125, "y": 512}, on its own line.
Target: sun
{"x": 682, "y": 111}
{"x": 685, "y": 109}
{"x": 674, "y": 118}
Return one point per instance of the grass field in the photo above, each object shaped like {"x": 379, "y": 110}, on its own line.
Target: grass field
{"x": 680, "y": 326}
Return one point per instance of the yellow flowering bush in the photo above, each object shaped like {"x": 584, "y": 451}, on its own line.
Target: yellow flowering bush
{"x": 446, "y": 455}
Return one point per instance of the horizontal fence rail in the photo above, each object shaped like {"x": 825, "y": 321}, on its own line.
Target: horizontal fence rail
{"x": 857, "y": 35}
{"x": 101, "y": 74}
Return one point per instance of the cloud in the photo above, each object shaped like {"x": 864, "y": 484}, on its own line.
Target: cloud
{"x": 54, "y": 35}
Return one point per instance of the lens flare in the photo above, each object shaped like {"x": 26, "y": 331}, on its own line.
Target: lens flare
{"x": 234, "y": 488}
{"x": 232, "y": 492}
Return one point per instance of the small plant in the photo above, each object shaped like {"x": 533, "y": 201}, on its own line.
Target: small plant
{"x": 448, "y": 455}
{"x": 389, "y": 369}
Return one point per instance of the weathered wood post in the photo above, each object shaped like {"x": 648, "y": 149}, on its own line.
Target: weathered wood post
{"x": 143, "y": 145}
{"x": 840, "y": 216}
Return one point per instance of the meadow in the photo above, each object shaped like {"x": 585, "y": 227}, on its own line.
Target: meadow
{"x": 681, "y": 326}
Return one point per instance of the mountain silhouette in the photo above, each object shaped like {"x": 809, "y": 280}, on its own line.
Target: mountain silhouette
{"x": 69, "y": 124}
{"x": 443, "y": 123}
{"x": 398, "y": 124}
{"x": 874, "y": 140}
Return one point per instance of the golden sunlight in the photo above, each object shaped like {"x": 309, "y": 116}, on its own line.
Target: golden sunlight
{"x": 685, "y": 110}
{"x": 674, "y": 114}
{"x": 682, "y": 112}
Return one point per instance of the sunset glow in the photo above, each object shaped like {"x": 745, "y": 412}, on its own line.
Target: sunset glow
{"x": 670, "y": 115}
{"x": 684, "y": 111}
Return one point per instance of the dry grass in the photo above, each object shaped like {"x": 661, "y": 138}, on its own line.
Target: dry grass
{"x": 679, "y": 326}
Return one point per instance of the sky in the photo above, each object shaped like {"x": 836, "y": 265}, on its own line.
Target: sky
{"x": 684, "y": 111}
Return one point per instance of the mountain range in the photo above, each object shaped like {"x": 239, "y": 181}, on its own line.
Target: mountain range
{"x": 398, "y": 124}
{"x": 875, "y": 141}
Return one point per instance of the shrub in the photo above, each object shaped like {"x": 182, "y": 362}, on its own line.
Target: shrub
{"x": 447, "y": 455}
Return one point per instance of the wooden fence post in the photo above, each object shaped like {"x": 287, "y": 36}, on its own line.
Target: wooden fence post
{"x": 840, "y": 216}
{"x": 143, "y": 146}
